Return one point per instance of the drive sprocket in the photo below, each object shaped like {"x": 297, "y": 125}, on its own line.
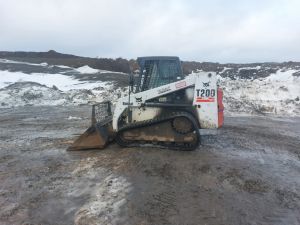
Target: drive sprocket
{"x": 182, "y": 125}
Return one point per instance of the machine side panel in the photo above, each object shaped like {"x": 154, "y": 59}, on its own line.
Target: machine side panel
{"x": 205, "y": 100}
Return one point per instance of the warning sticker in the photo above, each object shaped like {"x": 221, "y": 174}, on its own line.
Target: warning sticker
{"x": 210, "y": 99}
{"x": 180, "y": 84}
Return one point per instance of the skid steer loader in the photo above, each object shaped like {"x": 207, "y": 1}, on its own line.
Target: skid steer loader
{"x": 163, "y": 108}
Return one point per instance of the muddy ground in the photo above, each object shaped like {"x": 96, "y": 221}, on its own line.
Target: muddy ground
{"x": 248, "y": 174}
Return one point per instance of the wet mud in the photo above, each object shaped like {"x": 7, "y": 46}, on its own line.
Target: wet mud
{"x": 247, "y": 174}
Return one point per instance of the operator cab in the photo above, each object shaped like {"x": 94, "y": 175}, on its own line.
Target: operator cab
{"x": 156, "y": 71}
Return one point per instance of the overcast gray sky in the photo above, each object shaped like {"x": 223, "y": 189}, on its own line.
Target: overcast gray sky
{"x": 212, "y": 30}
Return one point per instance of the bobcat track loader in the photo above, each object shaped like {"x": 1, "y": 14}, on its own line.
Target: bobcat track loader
{"x": 163, "y": 109}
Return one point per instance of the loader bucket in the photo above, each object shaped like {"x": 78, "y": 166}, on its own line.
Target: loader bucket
{"x": 100, "y": 133}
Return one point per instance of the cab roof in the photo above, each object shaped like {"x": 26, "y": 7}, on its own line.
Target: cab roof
{"x": 141, "y": 60}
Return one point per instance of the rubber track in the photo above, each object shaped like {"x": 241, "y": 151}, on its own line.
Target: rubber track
{"x": 170, "y": 117}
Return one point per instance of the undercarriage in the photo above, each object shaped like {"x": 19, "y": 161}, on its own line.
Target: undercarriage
{"x": 178, "y": 130}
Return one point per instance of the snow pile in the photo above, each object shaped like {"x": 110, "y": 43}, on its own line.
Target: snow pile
{"x": 278, "y": 93}
{"x": 31, "y": 93}
{"x": 20, "y": 89}
{"x": 48, "y": 88}
{"x": 87, "y": 69}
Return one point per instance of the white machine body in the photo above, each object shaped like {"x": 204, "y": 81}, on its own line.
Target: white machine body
{"x": 200, "y": 87}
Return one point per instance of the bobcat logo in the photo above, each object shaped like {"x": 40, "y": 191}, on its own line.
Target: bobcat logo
{"x": 206, "y": 84}
{"x": 138, "y": 99}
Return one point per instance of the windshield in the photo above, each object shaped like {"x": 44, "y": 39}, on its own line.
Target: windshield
{"x": 159, "y": 72}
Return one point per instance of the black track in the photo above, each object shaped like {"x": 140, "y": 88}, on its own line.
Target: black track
{"x": 172, "y": 145}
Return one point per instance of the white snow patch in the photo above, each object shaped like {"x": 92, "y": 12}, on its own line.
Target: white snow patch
{"x": 88, "y": 70}
{"x": 74, "y": 118}
{"x": 249, "y": 68}
{"x": 62, "y": 82}
{"x": 64, "y": 67}
{"x": 106, "y": 198}
{"x": 44, "y": 64}
{"x": 19, "y": 62}
{"x": 106, "y": 202}
{"x": 225, "y": 69}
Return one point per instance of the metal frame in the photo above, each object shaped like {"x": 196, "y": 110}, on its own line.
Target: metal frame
{"x": 101, "y": 112}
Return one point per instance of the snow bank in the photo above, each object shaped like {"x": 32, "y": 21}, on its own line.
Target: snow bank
{"x": 31, "y": 93}
{"x": 20, "y": 89}
{"x": 278, "y": 93}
